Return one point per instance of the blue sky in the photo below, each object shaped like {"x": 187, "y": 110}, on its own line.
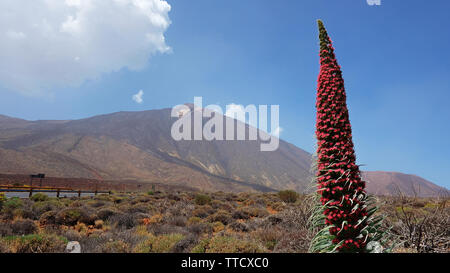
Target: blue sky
{"x": 393, "y": 56}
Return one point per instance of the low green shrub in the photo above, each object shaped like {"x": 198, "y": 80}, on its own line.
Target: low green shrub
{"x": 203, "y": 211}
{"x": 220, "y": 216}
{"x": 202, "y": 199}
{"x": 39, "y": 197}
{"x": 13, "y": 203}
{"x": 47, "y": 205}
{"x": 159, "y": 244}
{"x": 194, "y": 220}
{"x": 34, "y": 243}
{"x": 115, "y": 247}
{"x": 288, "y": 196}
{"x": 69, "y": 216}
{"x": 201, "y": 246}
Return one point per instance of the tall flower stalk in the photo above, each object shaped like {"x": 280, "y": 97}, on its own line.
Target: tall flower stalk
{"x": 345, "y": 214}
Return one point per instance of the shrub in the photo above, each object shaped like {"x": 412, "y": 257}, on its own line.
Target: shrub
{"x": 139, "y": 207}
{"x": 200, "y": 228}
{"x": 124, "y": 220}
{"x": 179, "y": 221}
{"x": 160, "y": 229}
{"x": 243, "y": 196}
{"x": 5, "y": 230}
{"x": 258, "y": 212}
{"x": 201, "y": 246}
{"x": 47, "y": 205}
{"x": 96, "y": 203}
{"x": 25, "y": 213}
{"x": 278, "y": 206}
{"x": 288, "y": 196}
{"x": 39, "y": 197}
{"x": 88, "y": 216}
{"x": 216, "y": 204}
{"x": 247, "y": 212}
{"x": 173, "y": 197}
{"x": 194, "y": 220}
{"x": 203, "y": 211}
{"x": 240, "y": 227}
{"x": 115, "y": 247}
{"x": 48, "y": 218}
{"x": 221, "y": 216}
{"x": 261, "y": 201}
{"x": 218, "y": 226}
{"x": 274, "y": 219}
{"x": 35, "y": 243}
{"x": 80, "y": 227}
{"x": 104, "y": 197}
{"x": 23, "y": 227}
{"x": 69, "y": 216}
{"x": 202, "y": 199}
{"x": 150, "y": 193}
{"x": 184, "y": 244}
{"x": 228, "y": 244}
{"x": 2, "y": 199}
{"x": 268, "y": 236}
{"x": 98, "y": 224}
{"x": 241, "y": 213}
{"x": 296, "y": 241}
{"x": 157, "y": 218}
{"x": 106, "y": 213}
{"x": 165, "y": 243}
{"x": 3, "y": 247}
{"x": 200, "y": 213}
{"x": 159, "y": 244}
{"x": 13, "y": 203}
{"x": 117, "y": 199}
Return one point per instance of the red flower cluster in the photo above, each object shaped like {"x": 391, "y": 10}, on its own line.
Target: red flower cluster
{"x": 338, "y": 176}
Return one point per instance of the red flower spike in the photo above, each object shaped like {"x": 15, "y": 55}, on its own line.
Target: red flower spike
{"x": 335, "y": 148}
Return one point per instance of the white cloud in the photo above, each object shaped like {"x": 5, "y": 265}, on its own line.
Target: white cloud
{"x": 46, "y": 44}
{"x": 138, "y": 97}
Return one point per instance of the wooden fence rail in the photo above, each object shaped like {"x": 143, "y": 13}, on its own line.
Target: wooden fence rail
{"x": 8, "y": 188}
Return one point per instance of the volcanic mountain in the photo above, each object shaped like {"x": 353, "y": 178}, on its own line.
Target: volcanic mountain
{"x": 138, "y": 146}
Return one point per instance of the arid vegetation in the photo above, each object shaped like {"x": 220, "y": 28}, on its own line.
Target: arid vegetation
{"x": 174, "y": 221}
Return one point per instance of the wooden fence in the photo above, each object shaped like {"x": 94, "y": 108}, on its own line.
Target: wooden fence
{"x": 31, "y": 189}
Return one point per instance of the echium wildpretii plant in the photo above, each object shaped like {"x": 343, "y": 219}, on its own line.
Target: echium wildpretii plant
{"x": 345, "y": 215}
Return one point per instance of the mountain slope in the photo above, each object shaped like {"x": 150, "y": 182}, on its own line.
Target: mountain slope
{"x": 138, "y": 146}
{"x": 394, "y": 183}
